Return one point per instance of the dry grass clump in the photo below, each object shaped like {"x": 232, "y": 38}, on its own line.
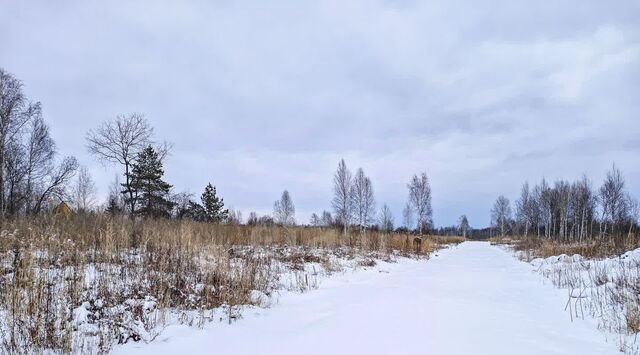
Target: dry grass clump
{"x": 446, "y": 240}
{"x": 79, "y": 285}
{"x": 543, "y": 248}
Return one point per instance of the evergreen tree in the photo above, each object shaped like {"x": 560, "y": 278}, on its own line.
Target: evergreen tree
{"x": 113, "y": 208}
{"x": 195, "y": 211}
{"x": 151, "y": 192}
{"x": 213, "y": 206}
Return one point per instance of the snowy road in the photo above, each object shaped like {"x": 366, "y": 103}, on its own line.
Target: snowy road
{"x": 470, "y": 299}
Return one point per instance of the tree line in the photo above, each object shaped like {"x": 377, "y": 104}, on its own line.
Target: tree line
{"x": 354, "y": 204}
{"x": 570, "y": 211}
{"x": 33, "y": 179}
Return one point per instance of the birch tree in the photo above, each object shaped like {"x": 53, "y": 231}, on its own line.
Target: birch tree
{"x": 363, "y": 200}
{"x": 284, "y": 211}
{"x": 315, "y": 220}
{"x": 84, "y": 191}
{"x": 420, "y": 201}
{"x": 464, "y": 226}
{"x": 386, "y": 219}
{"x": 501, "y": 214}
{"x": 342, "y": 201}
{"x": 407, "y": 217}
{"x": 522, "y": 208}
{"x": 612, "y": 199}
{"x": 327, "y": 219}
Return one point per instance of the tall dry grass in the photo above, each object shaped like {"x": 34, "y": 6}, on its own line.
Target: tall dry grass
{"x": 82, "y": 284}
{"x": 537, "y": 247}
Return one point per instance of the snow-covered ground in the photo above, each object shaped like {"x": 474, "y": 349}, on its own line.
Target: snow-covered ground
{"x": 473, "y": 298}
{"x": 605, "y": 289}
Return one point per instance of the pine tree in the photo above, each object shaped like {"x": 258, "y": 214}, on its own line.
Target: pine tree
{"x": 113, "y": 208}
{"x": 151, "y": 192}
{"x": 213, "y": 206}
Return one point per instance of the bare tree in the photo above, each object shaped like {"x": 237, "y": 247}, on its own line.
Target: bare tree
{"x": 582, "y": 206}
{"x": 57, "y": 183}
{"x": 407, "y": 217}
{"x": 284, "y": 210}
{"x": 386, "y": 219}
{"x": 84, "y": 191}
{"x": 464, "y": 226}
{"x": 15, "y": 178}
{"x": 634, "y": 213}
{"x": 612, "y": 200}
{"x": 40, "y": 152}
{"x": 546, "y": 203}
{"x": 522, "y": 206}
{"x": 15, "y": 112}
{"x": 253, "y": 219}
{"x": 327, "y": 219}
{"x": 119, "y": 142}
{"x": 342, "y": 201}
{"x": 315, "y": 221}
{"x": 363, "y": 200}
{"x": 501, "y": 214}
{"x": 234, "y": 217}
{"x": 420, "y": 201}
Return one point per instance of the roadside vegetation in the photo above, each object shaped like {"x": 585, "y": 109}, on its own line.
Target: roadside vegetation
{"x": 88, "y": 282}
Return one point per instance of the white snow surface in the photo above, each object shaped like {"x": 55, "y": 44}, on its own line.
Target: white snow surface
{"x": 473, "y": 298}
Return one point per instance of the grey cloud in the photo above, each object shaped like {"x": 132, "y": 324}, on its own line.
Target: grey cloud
{"x": 262, "y": 96}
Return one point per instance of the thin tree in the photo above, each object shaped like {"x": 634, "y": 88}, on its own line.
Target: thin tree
{"x": 420, "y": 201}
{"x": 119, "y": 142}
{"x": 342, "y": 201}
{"x": 315, "y": 221}
{"x": 234, "y": 217}
{"x": 40, "y": 153}
{"x": 386, "y": 219}
{"x": 501, "y": 214}
{"x": 253, "y": 219}
{"x": 327, "y": 218}
{"x": 407, "y": 217}
{"x": 15, "y": 177}
{"x": 522, "y": 208}
{"x": 613, "y": 202}
{"x": 84, "y": 191}
{"x": 284, "y": 211}
{"x": 363, "y": 201}
{"x": 464, "y": 226}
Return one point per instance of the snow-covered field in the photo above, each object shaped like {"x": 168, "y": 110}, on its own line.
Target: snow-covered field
{"x": 473, "y": 298}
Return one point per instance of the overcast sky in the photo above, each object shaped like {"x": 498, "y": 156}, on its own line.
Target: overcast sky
{"x": 262, "y": 96}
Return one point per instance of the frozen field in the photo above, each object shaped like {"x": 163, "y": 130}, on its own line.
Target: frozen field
{"x": 470, "y": 299}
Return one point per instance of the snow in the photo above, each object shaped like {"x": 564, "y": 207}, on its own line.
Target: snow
{"x": 469, "y": 299}
{"x": 605, "y": 289}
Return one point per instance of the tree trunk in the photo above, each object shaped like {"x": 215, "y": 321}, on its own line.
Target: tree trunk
{"x": 2, "y": 194}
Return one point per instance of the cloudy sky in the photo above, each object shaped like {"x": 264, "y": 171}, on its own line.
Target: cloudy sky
{"x": 262, "y": 96}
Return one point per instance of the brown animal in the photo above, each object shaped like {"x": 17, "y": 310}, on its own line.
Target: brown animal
{"x": 417, "y": 244}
